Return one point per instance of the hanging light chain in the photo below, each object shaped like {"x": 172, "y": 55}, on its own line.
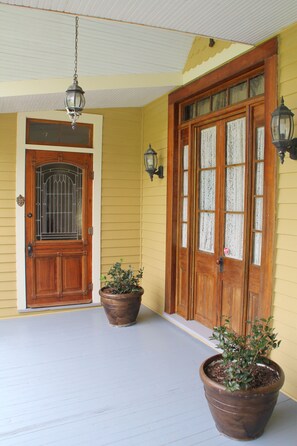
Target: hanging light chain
{"x": 76, "y": 46}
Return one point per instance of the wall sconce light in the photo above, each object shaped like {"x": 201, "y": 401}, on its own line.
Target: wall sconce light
{"x": 282, "y": 130}
{"x": 151, "y": 163}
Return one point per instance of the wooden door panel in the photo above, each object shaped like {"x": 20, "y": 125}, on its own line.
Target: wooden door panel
{"x": 232, "y": 299}
{"x": 182, "y": 298}
{"x": 205, "y": 301}
{"x": 46, "y": 277}
{"x": 58, "y": 269}
{"x": 72, "y": 266}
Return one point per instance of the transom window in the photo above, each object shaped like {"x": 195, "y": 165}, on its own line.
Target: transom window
{"x": 240, "y": 91}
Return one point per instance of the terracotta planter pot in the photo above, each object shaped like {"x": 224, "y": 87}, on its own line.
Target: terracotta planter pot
{"x": 121, "y": 309}
{"x": 242, "y": 414}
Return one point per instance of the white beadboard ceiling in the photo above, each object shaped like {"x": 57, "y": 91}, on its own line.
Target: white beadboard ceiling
{"x": 147, "y": 42}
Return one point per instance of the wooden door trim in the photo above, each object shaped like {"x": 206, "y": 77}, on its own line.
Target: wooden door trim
{"x": 97, "y": 122}
{"x": 265, "y": 55}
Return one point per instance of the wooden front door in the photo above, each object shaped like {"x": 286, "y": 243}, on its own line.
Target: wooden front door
{"x": 229, "y": 218}
{"x": 58, "y": 228}
{"x": 221, "y": 194}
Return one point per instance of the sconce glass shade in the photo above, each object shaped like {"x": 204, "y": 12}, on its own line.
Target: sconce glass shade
{"x": 282, "y": 128}
{"x": 74, "y": 101}
{"x": 150, "y": 161}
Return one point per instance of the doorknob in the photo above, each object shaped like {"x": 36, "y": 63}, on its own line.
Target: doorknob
{"x": 30, "y": 250}
{"x": 220, "y": 263}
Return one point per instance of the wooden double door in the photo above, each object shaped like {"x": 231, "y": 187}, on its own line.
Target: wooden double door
{"x": 221, "y": 218}
{"x": 58, "y": 228}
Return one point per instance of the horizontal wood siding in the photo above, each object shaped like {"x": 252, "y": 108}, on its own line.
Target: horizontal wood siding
{"x": 153, "y": 208}
{"x": 8, "y": 302}
{"x": 120, "y": 203}
{"x": 285, "y": 287}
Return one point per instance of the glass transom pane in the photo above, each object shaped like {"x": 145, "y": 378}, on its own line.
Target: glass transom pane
{"x": 257, "y": 85}
{"x": 238, "y": 93}
{"x": 203, "y": 106}
{"x": 208, "y": 147}
{"x": 219, "y": 100}
{"x": 55, "y": 133}
{"x": 58, "y": 202}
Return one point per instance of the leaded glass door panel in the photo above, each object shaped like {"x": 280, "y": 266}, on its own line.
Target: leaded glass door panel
{"x": 58, "y": 228}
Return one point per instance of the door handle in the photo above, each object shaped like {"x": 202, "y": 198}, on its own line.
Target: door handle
{"x": 220, "y": 263}
{"x": 30, "y": 249}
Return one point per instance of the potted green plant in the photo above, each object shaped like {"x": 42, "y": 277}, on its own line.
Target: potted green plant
{"x": 241, "y": 384}
{"x": 121, "y": 294}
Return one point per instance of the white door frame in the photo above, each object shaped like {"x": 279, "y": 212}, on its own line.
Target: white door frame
{"x": 97, "y": 121}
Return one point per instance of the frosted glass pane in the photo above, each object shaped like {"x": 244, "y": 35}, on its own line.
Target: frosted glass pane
{"x": 208, "y": 148}
{"x": 257, "y": 247}
{"x": 258, "y": 214}
{"x": 260, "y": 143}
{"x": 207, "y": 190}
{"x": 235, "y": 150}
{"x": 185, "y": 184}
{"x": 184, "y": 235}
{"x": 234, "y": 236}
{"x": 206, "y": 231}
{"x": 186, "y": 158}
{"x": 259, "y": 178}
{"x": 235, "y": 188}
{"x": 185, "y": 209}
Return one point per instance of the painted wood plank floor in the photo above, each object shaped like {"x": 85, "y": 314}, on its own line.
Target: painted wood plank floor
{"x": 70, "y": 379}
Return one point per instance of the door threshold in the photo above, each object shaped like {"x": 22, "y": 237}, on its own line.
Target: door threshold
{"x": 60, "y": 307}
{"x": 193, "y": 328}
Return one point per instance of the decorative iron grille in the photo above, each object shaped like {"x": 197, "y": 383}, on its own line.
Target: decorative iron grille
{"x": 58, "y": 202}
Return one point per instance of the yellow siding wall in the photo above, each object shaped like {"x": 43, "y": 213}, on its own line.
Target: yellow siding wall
{"x": 8, "y": 124}
{"x": 285, "y": 298}
{"x": 153, "y": 206}
{"x": 120, "y": 212}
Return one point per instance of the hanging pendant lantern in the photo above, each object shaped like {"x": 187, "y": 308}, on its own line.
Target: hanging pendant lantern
{"x": 74, "y": 99}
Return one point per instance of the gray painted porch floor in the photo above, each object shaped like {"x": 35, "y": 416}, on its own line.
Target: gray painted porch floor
{"x": 70, "y": 379}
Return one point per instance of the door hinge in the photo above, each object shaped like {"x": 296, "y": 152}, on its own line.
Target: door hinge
{"x": 90, "y": 286}
{"x": 90, "y": 230}
{"x": 91, "y": 174}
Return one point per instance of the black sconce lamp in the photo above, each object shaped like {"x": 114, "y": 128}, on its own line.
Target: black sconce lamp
{"x": 151, "y": 163}
{"x": 282, "y": 130}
